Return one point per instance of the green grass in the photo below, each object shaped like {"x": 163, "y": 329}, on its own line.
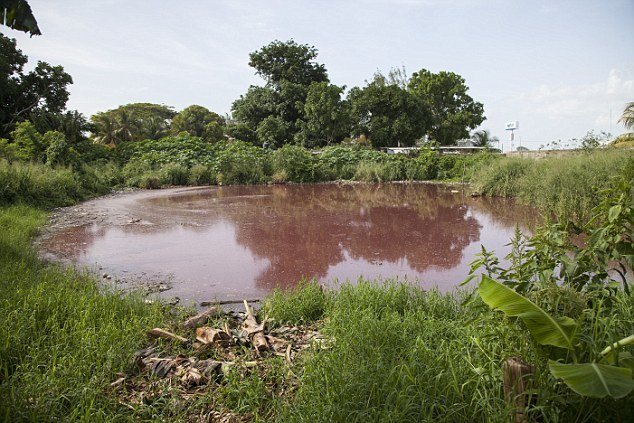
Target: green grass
{"x": 401, "y": 354}
{"x": 63, "y": 338}
{"x": 567, "y": 186}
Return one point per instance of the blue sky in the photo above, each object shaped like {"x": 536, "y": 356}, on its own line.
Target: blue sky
{"x": 561, "y": 68}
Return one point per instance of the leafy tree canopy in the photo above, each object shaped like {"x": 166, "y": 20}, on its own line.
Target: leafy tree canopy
{"x": 132, "y": 122}
{"x": 453, "y": 111}
{"x": 256, "y": 105}
{"x": 196, "y": 121}
{"x": 326, "y": 116}
{"x": 288, "y": 61}
{"x": 44, "y": 89}
{"x": 388, "y": 114}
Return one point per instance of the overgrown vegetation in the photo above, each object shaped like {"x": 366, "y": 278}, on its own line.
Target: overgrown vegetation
{"x": 568, "y": 187}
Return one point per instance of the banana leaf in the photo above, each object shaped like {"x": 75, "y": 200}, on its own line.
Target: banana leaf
{"x": 593, "y": 379}
{"x": 546, "y": 329}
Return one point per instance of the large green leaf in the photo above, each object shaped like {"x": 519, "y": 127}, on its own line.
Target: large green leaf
{"x": 546, "y": 329}
{"x": 17, "y": 14}
{"x": 594, "y": 380}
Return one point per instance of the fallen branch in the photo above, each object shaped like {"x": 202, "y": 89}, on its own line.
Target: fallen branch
{"x": 162, "y": 333}
{"x": 202, "y": 318}
{"x": 221, "y": 302}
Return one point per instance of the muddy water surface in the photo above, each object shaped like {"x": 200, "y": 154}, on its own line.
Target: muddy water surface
{"x": 243, "y": 241}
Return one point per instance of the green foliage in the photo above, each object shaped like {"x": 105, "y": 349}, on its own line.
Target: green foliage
{"x": 502, "y": 177}
{"x": 295, "y": 162}
{"x": 388, "y": 114}
{"x": 594, "y": 380}
{"x": 550, "y": 262}
{"x": 201, "y": 175}
{"x": 58, "y": 151}
{"x": 182, "y": 149}
{"x": 588, "y": 379}
{"x": 65, "y": 337}
{"x": 39, "y": 185}
{"x": 253, "y": 107}
{"x": 242, "y": 132}
{"x": 273, "y": 131}
{"x": 303, "y": 304}
{"x": 239, "y": 162}
{"x": 288, "y": 61}
{"x": 565, "y": 186}
{"x": 29, "y": 143}
{"x": 174, "y": 174}
{"x": 326, "y": 116}
{"x": 132, "y": 122}
{"x": 453, "y": 111}
{"x": 401, "y": 354}
{"x": 17, "y": 14}
{"x": 198, "y": 121}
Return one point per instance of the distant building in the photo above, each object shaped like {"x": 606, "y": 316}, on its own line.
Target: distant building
{"x": 451, "y": 149}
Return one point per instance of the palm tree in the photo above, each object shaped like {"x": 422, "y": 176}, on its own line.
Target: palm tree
{"x": 483, "y": 138}
{"x": 126, "y": 126}
{"x": 106, "y": 128}
{"x": 627, "y": 118}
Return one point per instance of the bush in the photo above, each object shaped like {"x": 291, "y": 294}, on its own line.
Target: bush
{"x": 369, "y": 172}
{"x": 183, "y": 149}
{"x": 39, "y": 185}
{"x": 201, "y": 175}
{"x": 294, "y": 162}
{"x": 239, "y": 162}
{"x": 174, "y": 174}
{"x": 566, "y": 186}
{"x": 502, "y": 178}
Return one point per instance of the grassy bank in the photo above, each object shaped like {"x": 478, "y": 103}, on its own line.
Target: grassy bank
{"x": 63, "y": 338}
{"x": 568, "y": 186}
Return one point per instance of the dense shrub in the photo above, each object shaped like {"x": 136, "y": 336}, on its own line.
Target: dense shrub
{"x": 295, "y": 162}
{"x": 38, "y": 184}
{"x": 182, "y": 149}
{"x": 239, "y": 162}
{"x": 174, "y": 174}
{"x": 502, "y": 178}
{"x": 201, "y": 175}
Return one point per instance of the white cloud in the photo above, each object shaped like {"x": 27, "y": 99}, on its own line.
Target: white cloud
{"x": 590, "y": 101}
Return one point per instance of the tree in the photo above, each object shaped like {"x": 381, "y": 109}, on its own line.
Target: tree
{"x": 42, "y": 89}
{"x": 288, "y": 61}
{"x": 273, "y": 132}
{"x": 387, "y": 114}
{"x": 326, "y": 116}
{"x": 194, "y": 120}
{"x": 133, "y": 122}
{"x": 453, "y": 111}
{"x": 105, "y": 128}
{"x": 17, "y": 14}
{"x": 289, "y": 69}
{"x": 256, "y": 105}
{"x": 627, "y": 118}
{"x": 483, "y": 138}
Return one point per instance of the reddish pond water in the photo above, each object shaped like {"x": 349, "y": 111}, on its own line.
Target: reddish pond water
{"x": 242, "y": 241}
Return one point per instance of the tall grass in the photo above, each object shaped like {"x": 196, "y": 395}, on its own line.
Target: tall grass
{"x": 567, "y": 186}
{"x": 401, "y": 354}
{"x": 63, "y": 338}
